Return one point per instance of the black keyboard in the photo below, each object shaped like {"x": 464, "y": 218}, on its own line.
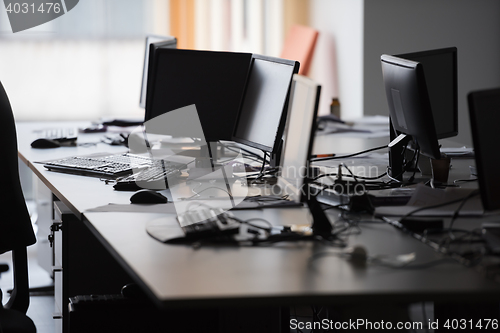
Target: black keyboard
{"x": 208, "y": 222}
{"x": 108, "y": 166}
{"x": 152, "y": 177}
{"x": 59, "y": 134}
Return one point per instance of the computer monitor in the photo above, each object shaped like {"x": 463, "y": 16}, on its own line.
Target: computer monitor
{"x": 158, "y": 41}
{"x": 213, "y": 81}
{"x": 484, "y": 112}
{"x": 409, "y": 103}
{"x": 440, "y": 70}
{"x": 262, "y": 116}
{"x": 299, "y": 136}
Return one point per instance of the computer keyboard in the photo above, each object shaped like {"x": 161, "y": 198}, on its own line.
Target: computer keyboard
{"x": 152, "y": 177}
{"x": 59, "y": 134}
{"x": 113, "y": 166}
{"x": 208, "y": 222}
{"x": 110, "y": 166}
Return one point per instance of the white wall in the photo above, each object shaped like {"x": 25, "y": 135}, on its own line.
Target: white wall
{"x": 84, "y": 65}
{"x": 338, "y": 58}
{"x": 72, "y": 79}
{"x": 395, "y": 26}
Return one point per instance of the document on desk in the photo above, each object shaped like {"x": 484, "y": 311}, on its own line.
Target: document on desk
{"x": 368, "y": 127}
{"x": 462, "y": 152}
{"x": 168, "y": 208}
{"x": 426, "y": 196}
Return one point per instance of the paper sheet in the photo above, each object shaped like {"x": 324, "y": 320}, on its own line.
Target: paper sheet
{"x": 169, "y": 208}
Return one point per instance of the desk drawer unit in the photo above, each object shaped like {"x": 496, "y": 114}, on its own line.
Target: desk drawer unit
{"x": 61, "y": 212}
{"x": 62, "y": 218}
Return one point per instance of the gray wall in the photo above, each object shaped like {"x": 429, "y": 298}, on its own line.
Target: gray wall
{"x": 396, "y": 26}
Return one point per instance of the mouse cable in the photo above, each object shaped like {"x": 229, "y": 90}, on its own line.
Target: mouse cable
{"x": 457, "y": 211}
{"x": 439, "y": 205}
{"x": 197, "y": 194}
{"x": 261, "y": 173}
{"x": 432, "y": 244}
{"x": 348, "y": 175}
{"x": 456, "y": 181}
{"x": 351, "y": 174}
{"x": 346, "y": 156}
{"x": 249, "y": 152}
{"x": 405, "y": 166}
{"x": 468, "y": 237}
{"x": 382, "y": 260}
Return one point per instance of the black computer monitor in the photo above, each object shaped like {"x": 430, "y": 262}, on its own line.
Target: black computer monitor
{"x": 213, "y": 81}
{"x": 484, "y": 112}
{"x": 159, "y": 42}
{"x": 262, "y": 116}
{"x": 440, "y": 70}
{"x": 409, "y": 103}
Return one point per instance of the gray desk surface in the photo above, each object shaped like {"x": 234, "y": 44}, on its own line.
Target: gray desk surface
{"x": 176, "y": 275}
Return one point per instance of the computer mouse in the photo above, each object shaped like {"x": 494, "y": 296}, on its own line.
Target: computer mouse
{"x": 44, "y": 143}
{"x": 358, "y": 255}
{"x": 146, "y": 196}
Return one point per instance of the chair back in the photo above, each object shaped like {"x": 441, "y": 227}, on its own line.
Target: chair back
{"x": 16, "y": 231}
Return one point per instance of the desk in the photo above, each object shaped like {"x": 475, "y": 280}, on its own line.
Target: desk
{"x": 182, "y": 276}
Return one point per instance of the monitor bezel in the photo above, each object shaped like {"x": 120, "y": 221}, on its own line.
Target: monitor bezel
{"x": 446, "y": 50}
{"x": 281, "y": 127}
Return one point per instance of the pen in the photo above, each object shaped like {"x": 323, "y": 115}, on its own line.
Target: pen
{"x": 322, "y": 155}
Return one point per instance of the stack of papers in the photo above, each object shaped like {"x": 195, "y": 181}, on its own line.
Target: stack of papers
{"x": 366, "y": 127}
{"x": 463, "y": 152}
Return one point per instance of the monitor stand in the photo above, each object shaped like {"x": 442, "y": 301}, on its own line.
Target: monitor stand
{"x": 275, "y": 157}
{"x": 208, "y": 156}
{"x": 396, "y": 158}
{"x": 321, "y": 224}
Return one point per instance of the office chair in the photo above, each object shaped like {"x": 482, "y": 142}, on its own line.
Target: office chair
{"x": 16, "y": 231}
{"x": 299, "y": 46}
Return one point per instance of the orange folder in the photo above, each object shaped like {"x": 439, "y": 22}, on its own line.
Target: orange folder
{"x": 299, "y": 46}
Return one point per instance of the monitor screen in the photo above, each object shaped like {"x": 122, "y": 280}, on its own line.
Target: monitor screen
{"x": 213, "y": 81}
{"x": 263, "y": 111}
{"x": 409, "y": 104}
{"x": 484, "y": 107}
{"x": 440, "y": 70}
{"x": 160, "y": 41}
{"x": 299, "y": 136}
